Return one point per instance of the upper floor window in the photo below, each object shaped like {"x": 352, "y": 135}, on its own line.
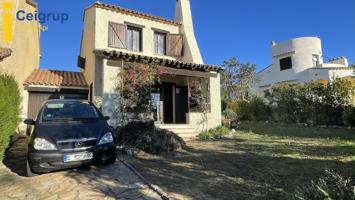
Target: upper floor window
{"x": 134, "y": 38}
{"x": 285, "y": 63}
{"x": 315, "y": 60}
{"x": 160, "y": 43}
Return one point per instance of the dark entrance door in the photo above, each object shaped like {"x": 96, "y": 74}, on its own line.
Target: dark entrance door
{"x": 181, "y": 107}
{"x": 166, "y": 94}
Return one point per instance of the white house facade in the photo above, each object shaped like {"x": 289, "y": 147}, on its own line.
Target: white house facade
{"x": 299, "y": 60}
{"x": 114, "y": 37}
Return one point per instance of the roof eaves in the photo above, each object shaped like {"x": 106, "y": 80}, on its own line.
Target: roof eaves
{"x": 133, "y": 13}
{"x": 264, "y": 69}
{"x": 130, "y": 57}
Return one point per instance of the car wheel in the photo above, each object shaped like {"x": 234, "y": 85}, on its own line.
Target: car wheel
{"x": 110, "y": 160}
{"x": 29, "y": 171}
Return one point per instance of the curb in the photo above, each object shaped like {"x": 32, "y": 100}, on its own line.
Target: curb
{"x": 162, "y": 194}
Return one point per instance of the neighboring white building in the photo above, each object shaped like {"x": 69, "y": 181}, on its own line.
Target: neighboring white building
{"x": 114, "y": 37}
{"x": 299, "y": 60}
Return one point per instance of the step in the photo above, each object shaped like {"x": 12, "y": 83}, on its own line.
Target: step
{"x": 188, "y": 137}
{"x": 173, "y": 126}
{"x": 185, "y": 131}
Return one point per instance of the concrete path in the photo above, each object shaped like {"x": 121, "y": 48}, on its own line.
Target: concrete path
{"x": 98, "y": 182}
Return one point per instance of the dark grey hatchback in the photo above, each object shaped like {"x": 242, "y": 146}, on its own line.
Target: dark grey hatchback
{"x": 69, "y": 134}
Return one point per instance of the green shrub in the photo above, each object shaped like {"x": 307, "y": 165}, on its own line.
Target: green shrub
{"x": 253, "y": 110}
{"x": 316, "y": 103}
{"x": 286, "y": 99}
{"x": 213, "y": 134}
{"x": 9, "y": 110}
{"x": 259, "y": 110}
{"x": 331, "y": 187}
{"x": 229, "y": 114}
{"x": 244, "y": 112}
{"x": 349, "y": 116}
{"x": 145, "y": 136}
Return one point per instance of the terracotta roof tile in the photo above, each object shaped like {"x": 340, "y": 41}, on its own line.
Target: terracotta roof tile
{"x": 134, "y": 13}
{"x": 131, "y": 57}
{"x": 56, "y": 78}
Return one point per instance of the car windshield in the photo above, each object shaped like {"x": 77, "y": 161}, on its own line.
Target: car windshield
{"x": 69, "y": 111}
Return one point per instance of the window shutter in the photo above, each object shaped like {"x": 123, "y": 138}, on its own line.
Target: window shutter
{"x": 116, "y": 35}
{"x": 174, "y": 45}
{"x": 81, "y": 62}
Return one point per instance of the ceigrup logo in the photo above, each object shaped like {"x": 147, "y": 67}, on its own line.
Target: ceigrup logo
{"x": 7, "y": 20}
{"x": 8, "y": 15}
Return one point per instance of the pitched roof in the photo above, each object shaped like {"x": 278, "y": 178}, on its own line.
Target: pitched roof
{"x": 56, "y": 78}
{"x": 133, "y": 13}
{"x": 4, "y": 52}
{"x": 130, "y": 57}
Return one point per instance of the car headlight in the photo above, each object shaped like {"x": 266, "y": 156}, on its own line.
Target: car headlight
{"x": 107, "y": 138}
{"x": 42, "y": 144}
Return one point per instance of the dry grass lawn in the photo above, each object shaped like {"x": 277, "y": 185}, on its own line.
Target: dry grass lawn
{"x": 259, "y": 162}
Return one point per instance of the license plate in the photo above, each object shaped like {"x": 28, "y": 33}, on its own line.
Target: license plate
{"x": 78, "y": 156}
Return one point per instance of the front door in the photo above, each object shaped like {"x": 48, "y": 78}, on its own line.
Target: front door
{"x": 166, "y": 95}
{"x": 181, "y": 104}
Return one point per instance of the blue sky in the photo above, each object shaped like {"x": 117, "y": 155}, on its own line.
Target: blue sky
{"x": 224, "y": 28}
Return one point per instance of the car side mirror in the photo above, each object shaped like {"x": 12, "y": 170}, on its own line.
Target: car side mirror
{"x": 107, "y": 118}
{"x": 29, "y": 122}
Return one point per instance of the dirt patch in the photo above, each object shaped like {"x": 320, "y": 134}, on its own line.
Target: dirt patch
{"x": 249, "y": 166}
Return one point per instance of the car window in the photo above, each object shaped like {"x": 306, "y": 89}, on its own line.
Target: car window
{"x": 69, "y": 111}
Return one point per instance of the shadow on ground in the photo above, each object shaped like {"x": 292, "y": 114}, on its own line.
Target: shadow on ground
{"x": 114, "y": 181}
{"x": 233, "y": 169}
{"x": 16, "y": 157}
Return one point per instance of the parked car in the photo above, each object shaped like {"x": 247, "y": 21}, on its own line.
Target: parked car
{"x": 69, "y": 134}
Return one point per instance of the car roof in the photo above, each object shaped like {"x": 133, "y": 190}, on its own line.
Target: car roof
{"x": 66, "y": 100}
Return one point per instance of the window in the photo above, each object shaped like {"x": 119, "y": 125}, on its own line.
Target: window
{"x": 68, "y": 111}
{"x": 315, "y": 60}
{"x": 160, "y": 43}
{"x": 285, "y": 63}
{"x": 134, "y": 38}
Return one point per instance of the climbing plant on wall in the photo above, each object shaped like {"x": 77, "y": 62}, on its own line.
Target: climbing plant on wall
{"x": 136, "y": 82}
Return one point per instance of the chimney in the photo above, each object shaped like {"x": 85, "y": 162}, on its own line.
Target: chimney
{"x": 183, "y": 15}
{"x": 273, "y": 43}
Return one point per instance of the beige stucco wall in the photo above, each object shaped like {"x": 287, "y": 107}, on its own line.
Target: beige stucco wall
{"x": 111, "y": 95}
{"x": 103, "y": 17}
{"x": 88, "y": 45}
{"x": 104, "y": 72}
{"x": 214, "y": 116}
{"x": 25, "y": 48}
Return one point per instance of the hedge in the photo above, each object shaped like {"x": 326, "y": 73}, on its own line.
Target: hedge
{"x": 314, "y": 103}
{"x": 9, "y": 110}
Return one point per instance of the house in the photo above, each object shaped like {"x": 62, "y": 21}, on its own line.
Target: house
{"x": 114, "y": 37}
{"x": 19, "y": 45}
{"x": 300, "y": 60}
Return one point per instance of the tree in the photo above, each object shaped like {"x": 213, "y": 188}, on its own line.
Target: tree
{"x": 237, "y": 79}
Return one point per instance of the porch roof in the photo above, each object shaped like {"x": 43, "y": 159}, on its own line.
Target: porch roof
{"x": 130, "y": 57}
